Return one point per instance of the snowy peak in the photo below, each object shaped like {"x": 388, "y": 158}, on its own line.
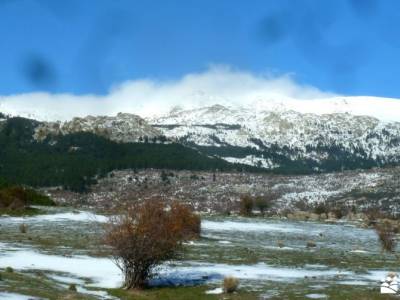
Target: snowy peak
{"x": 286, "y": 135}
{"x": 385, "y": 109}
{"x": 42, "y": 107}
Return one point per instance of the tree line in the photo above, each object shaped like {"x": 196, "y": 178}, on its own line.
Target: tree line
{"x": 75, "y": 161}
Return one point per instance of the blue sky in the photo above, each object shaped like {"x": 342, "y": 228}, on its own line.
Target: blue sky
{"x": 85, "y": 47}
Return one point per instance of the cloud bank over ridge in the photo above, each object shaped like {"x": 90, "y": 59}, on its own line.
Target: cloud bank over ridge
{"x": 217, "y": 85}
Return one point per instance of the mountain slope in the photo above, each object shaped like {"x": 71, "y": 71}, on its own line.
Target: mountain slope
{"x": 286, "y": 140}
{"x": 281, "y": 135}
{"x": 125, "y": 128}
{"x": 75, "y": 160}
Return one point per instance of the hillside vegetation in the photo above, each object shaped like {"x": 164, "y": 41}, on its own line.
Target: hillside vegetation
{"x": 74, "y": 161}
{"x": 18, "y": 199}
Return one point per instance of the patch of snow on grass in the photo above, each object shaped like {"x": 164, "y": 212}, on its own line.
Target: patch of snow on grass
{"x": 80, "y": 216}
{"x": 216, "y": 291}
{"x": 102, "y": 271}
{"x": 246, "y": 226}
{"x": 13, "y": 296}
{"x": 317, "y": 296}
{"x": 259, "y": 271}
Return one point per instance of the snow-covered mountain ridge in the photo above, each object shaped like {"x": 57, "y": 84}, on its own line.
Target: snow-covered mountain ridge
{"x": 275, "y": 137}
{"x": 43, "y": 109}
{"x": 285, "y": 135}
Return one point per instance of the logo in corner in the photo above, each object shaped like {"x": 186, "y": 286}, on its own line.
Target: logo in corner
{"x": 391, "y": 284}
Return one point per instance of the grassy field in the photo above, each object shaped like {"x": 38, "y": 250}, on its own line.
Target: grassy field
{"x": 337, "y": 268}
{"x": 26, "y": 212}
{"x": 38, "y": 285}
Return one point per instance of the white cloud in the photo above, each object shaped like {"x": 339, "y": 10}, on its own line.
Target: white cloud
{"x": 217, "y": 85}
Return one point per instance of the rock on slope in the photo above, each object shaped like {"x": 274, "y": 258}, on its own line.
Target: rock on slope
{"x": 121, "y": 128}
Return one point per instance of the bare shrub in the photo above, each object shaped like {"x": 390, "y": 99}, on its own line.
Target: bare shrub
{"x": 246, "y": 205}
{"x": 373, "y": 214}
{"x": 302, "y": 205}
{"x": 17, "y": 198}
{"x": 231, "y": 284}
{"x": 146, "y": 234}
{"x": 262, "y": 203}
{"x": 386, "y": 235}
{"x": 339, "y": 212}
{"x": 321, "y": 208}
{"x": 185, "y": 222}
{"x": 13, "y": 198}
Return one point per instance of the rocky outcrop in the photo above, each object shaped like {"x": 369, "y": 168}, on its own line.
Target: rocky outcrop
{"x": 125, "y": 128}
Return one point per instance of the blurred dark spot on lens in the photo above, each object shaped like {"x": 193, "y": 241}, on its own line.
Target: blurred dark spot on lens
{"x": 273, "y": 29}
{"x": 364, "y": 8}
{"x": 60, "y": 9}
{"x": 39, "y": 71}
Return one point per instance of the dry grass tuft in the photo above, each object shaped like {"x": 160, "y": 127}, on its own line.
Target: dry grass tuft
{"x": 231, "y": 284}
{"x": 23, "y": 228}
{"x": 246, "y": 206}
{"x": 386, "y": 235}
